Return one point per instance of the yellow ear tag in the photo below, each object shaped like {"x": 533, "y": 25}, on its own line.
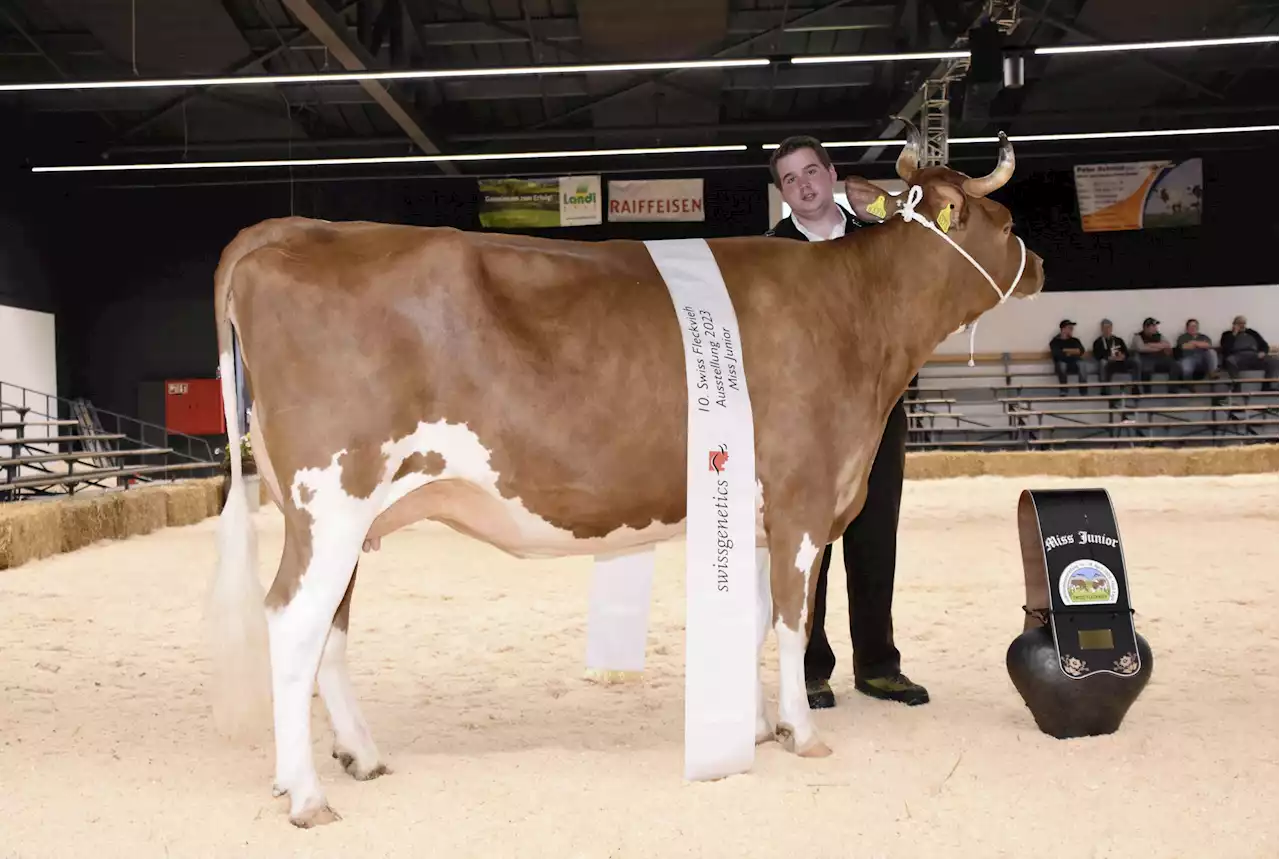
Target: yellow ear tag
{"x": 877, "y": 208}
{"x": 944, "y": 218}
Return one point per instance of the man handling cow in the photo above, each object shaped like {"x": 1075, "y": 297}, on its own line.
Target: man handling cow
{"x": 803, "y": 173}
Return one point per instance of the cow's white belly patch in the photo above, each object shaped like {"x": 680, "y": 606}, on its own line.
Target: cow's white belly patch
{"x": 465, "y": 496}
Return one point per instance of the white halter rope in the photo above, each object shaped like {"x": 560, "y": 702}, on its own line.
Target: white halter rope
{"x": 909, "y": 213}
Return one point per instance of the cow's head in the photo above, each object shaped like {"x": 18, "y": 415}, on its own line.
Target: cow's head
{"x": 959, "y": 204}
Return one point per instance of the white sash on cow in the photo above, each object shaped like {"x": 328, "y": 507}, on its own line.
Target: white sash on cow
{"x": 721, "y": 657}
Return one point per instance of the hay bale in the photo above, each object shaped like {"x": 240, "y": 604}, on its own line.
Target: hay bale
{"x": 29, "y": 530}
{"x": 186, "y": 503}
{"x": 215, "y": 495}
{"x": 91, "y": 519}
{"x": 1116, "y": 462}
{"x": 935, "y": 465}
{"x": 143, "y": 511}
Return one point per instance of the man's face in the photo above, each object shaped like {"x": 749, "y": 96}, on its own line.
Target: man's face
{"x": 1152, "y": 328}
{"x": 1239, "y": 325}
{"x": 805, "y": 183}
{"x": 1106, "y": 329}
{"x": 1068, "y": 331}
{"x": 1193, "y": 328}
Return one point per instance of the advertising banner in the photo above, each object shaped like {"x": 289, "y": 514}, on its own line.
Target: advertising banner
{"x": 656, "y": 200}
{"x": 567, "y": 201}
{"x": 1139, "y": 195}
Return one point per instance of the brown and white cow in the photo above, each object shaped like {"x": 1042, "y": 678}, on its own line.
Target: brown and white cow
{"x": 531, "y": 393}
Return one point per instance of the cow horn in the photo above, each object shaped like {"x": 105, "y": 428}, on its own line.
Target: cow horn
{"x": 909, "y": 158}
{"x": 996, "y": 179}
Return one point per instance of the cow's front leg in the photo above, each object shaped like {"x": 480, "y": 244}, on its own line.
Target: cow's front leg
{"x": 794, "y": 575}
{"x": 299, "y": 626}
{"x": 764, "y": 610}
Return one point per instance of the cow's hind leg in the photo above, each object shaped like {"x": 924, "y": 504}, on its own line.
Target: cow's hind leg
{"x": 793, "y": 577}
{"x": 321, "y": 549}
{"x": 353, "y": 744}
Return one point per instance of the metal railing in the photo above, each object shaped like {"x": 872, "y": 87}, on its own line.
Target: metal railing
{"x": 89, "y": 441}
{"x": 1016, "y": 403}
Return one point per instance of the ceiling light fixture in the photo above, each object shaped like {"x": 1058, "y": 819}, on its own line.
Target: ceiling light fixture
{"x": 594, "y": 68}
{"x": 397, "y": 159}
{"x": 422, "y": 74}
{"x": 1157, "y": 46}
{"x": 1035, "y": 138}
{"x": 879, "y": 58}
{"x": 1057, "y": 49}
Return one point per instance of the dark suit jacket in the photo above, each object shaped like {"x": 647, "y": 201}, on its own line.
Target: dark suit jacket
{"x": 786, "y": 229}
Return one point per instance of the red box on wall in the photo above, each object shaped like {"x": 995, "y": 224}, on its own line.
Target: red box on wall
{"x": 194, "y": 406}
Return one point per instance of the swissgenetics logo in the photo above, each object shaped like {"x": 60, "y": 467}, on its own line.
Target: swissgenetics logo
{"x": 717, "y": 459}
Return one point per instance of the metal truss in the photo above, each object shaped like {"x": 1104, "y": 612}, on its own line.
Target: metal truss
{"x": 935, "y": 113}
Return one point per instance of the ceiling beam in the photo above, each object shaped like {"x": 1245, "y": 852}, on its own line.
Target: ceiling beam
{"x": 9, "y": 11}
{"x": 253, "y": 61}
{"x": 1155, "y": 65}
{"x": 332, "y": 32}
{"x": 659, "y": 79}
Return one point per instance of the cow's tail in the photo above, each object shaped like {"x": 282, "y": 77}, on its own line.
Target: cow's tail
{"x": 235, "y": 614}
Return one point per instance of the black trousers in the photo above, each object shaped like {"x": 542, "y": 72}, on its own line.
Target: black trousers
{"x": 870, "y": 556}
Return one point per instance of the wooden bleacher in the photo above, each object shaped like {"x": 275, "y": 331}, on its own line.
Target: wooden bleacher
{"x": 1013, "y": 401}
{"x": 43, "y": 454}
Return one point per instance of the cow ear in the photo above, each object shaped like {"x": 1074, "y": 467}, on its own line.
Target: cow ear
{"x": 870, "y": 202}
{"x": 945, "y": 206}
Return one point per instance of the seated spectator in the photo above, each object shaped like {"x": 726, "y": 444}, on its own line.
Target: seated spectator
{"x": 1194, "y": 352}
{"x": 1067, "y": 351}
{"x": 1112, "y": 355}
{"x": 1153, "y": 352}
{"x": 1245, "y": 349}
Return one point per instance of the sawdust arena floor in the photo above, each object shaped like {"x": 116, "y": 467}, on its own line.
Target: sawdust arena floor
{"x": 469, "y": 667}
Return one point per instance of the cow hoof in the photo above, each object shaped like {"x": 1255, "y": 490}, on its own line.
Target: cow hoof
{"x": 277, "y": 791}
{"x": 356, "y": 771}
{"x": 309, "y": 818}
{"x": 367, "y": 774}
{"x": 814, "y": 748}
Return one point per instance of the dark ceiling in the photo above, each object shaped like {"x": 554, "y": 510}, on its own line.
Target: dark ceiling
{"x": 53, "y": 40}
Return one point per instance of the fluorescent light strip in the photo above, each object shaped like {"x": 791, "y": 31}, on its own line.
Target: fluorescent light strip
{"x": 580, "y": 153}
{"x": 673, "y": 65}
{"x": 425, "y": 74}
{"x": 1058, "y": 49}
{"x": 1111, "y": 135}
{"x": 1157, "y": 46}
{"x": 879, "y": 58}
{"x": 398, "y": 159}
{"x": 1032, "y": 138}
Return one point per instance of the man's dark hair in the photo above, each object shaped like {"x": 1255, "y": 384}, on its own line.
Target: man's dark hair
{"x": 794, "y": 144}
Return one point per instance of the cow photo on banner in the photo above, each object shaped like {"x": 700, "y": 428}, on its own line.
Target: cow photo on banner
{"x": 1140, "y": 195}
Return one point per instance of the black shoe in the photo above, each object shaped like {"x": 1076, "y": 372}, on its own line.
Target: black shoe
{"x": 896, "y": 687}
{"x": 820, "y": 695}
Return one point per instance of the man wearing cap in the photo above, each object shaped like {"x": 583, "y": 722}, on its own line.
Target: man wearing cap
{"x": 1245, "y": 349}
{"x": 1112, "y": 355}
{"x": 1067, "y": 350}
{"x": 802, "y": 171}
{"x": 1154, "y": 352}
